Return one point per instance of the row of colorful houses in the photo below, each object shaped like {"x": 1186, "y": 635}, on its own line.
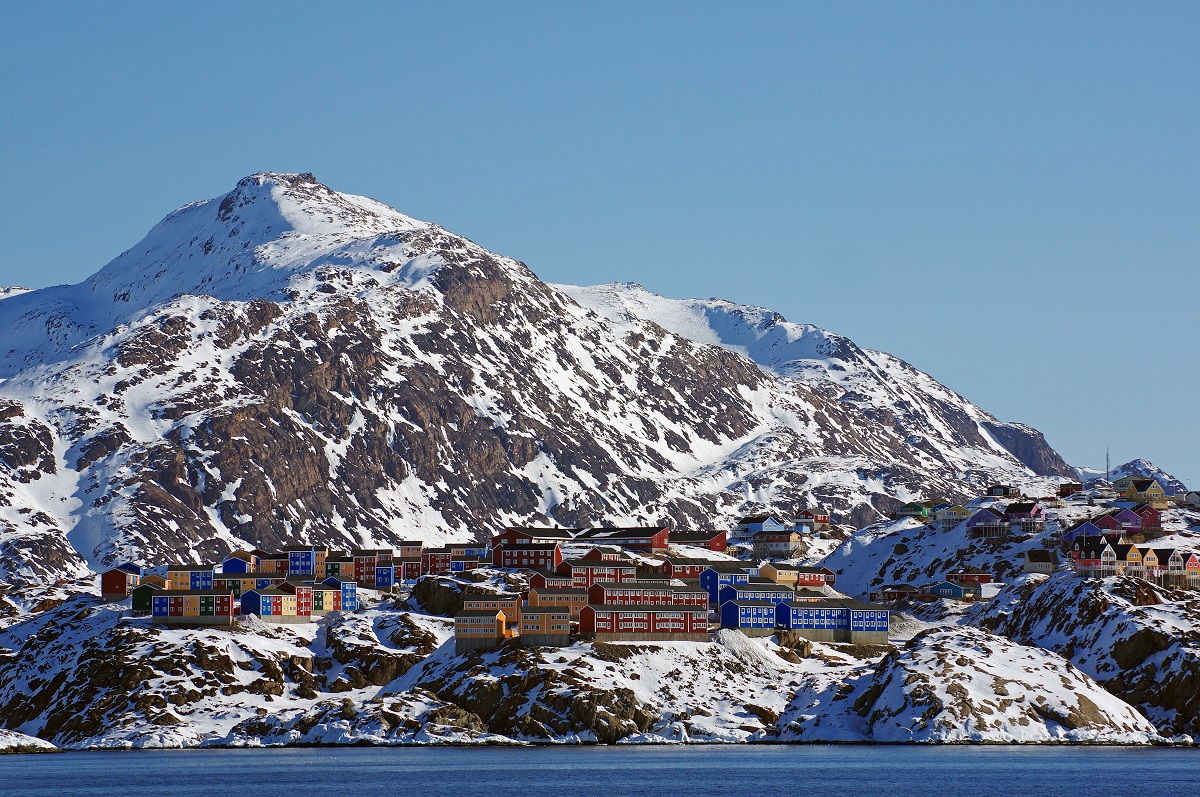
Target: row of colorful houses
{"x": 188, "y": 595}
{"x": 1097, "y": 557}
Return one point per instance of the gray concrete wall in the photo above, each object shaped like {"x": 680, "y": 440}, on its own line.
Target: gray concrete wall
{"x": 756, "y": 632}
{"x": 642, "y": 637}
{"x": 194, "y": 620}
{"x": 463, "y": 644}
{"x": 545, "y": 640}
{"x": 281, "y": 619}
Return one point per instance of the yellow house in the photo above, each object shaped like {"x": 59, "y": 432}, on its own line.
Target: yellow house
{"x": 571, "y": 599}
{"x": 509, "y": 605}
{"x": 780, "y": 574}
{"x": 1149, "y": 558}
{"x": 950, "y": 516}
{"x": 1148, "y": 491}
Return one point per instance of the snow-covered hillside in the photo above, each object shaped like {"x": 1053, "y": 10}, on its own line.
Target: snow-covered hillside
{"x": 286, "y": 363}
{"x": 82, "y": 675}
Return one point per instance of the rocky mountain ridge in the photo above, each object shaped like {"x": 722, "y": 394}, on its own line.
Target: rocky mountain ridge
{"x": 287, "y": 363}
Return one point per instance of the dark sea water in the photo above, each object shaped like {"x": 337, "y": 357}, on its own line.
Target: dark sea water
{"x": 795, "y": 771}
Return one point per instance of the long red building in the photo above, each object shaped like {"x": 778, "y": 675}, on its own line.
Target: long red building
{"x": 644, "y": 623}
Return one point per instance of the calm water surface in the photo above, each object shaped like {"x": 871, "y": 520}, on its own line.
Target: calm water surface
{"x": 795, "y": 771}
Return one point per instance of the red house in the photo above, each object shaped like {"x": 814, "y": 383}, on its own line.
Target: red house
{"x": 606, "y": 553}
{"x": 547, "y": 580}
{"x": 364, "y": 567}
{"x": 116, "y": 584}
{"x": 542, "y": 556}
{"x": 642, "y": 538}
{"x": 304, "y": 596}
{"x": 634, "y": 623}
{"x": 818, "y": 518}
{"x": 1068, "y": 489}
{"x": 1151, "y": 517}
{"x": 646, "y": 593}
{"x": 970, "y": 575}
{"x": 814, "y": 576}
{"x": 585, "y": 573}
{"x": 712, "y": 540}
{"x": 684, "y": 568}
{"x": 436, "y": 561}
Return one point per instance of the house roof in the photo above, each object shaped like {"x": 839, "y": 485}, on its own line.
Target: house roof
{"x": 479, "y": 613}
{"x": 1020, "y": 507}
{"x": 588, "y": 564}
{"x": 632, "y": 607}
{"x": 202, "y": 592}
{"x": 549, "y": 533}
{"x": 684, "y": 536}
{"x": 688, "y": 560}
{"x": 1141, "y": 485}
{"x": 769, "y": 586}
{"x": 748, "y": 519}
{"x": 810, "y": 569}
{"x": 727, "y": 567}
{"x": 831, "y": 603}
{"x": 632, "y": 533}
{"x": 1041, "y": 556}
{"x": 551, "y": 574}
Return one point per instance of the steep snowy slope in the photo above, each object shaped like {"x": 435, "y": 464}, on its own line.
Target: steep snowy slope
{"x": 287, "y": 363}
{"x": 877, "y": 385}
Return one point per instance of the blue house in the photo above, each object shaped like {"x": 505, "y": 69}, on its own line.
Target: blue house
{"x": 721, "y": 574}
{"x": 750, "y": 525}
{"x": 302, "y": 560}
{"x": 749, "y": 616}
{"x": 349, "y": 592}
{"x": 1082, "y": 531}
{"x": 385, "y": 576}
{"x": 948, "y": 589}
{"x": 756, "y": 591}
{"x": 835, "y": 620}
{"x": 238, "y": 563}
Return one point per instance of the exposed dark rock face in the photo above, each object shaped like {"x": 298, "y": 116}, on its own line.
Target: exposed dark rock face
{"x": 513, "y": 697}
{"x": 1030, "y": 448}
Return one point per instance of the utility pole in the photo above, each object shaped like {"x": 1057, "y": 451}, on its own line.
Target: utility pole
{"x": 1107, "y": 469}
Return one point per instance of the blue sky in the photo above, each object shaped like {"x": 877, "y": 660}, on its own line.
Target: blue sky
{"x": 1005, "y": 195}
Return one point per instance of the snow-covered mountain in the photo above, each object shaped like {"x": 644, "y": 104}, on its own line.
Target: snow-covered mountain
{"x": 1140, "y": 468}
{"x": 287, "y": 363}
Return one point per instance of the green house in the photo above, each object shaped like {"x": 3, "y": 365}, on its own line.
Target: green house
{"x": 143, "y": 595}
{"x": 913, "y": 509}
